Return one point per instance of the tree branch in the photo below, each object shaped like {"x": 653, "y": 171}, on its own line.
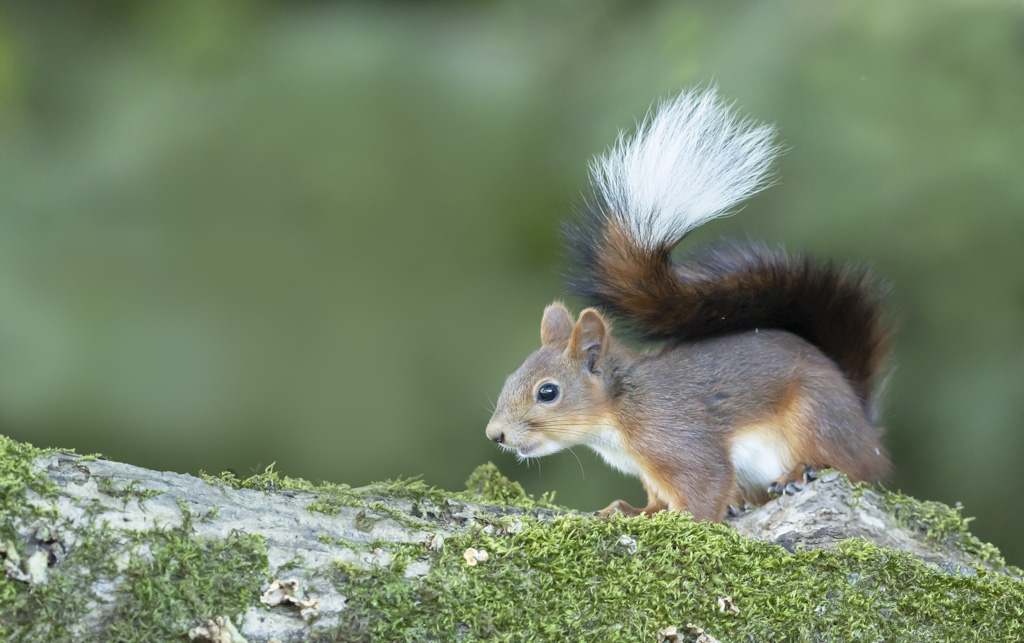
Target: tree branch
{"x": 100, "y": 550}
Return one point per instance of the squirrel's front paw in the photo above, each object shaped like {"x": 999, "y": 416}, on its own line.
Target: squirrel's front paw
{"x": 794, "y": 481}
{"x": 620, "y": 507}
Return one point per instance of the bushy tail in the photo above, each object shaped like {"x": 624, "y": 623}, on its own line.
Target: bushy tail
{"x": 691, "y": 162}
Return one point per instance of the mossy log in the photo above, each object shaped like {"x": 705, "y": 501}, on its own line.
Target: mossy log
{"x": 104, "y": 551}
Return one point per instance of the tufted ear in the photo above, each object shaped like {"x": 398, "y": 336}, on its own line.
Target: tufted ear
{"x": 556, "y": 326}
{"x": 589, "y": 339}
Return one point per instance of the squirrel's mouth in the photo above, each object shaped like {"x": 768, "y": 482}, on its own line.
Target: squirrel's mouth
{"x": 527, "y": 450}
{"x": 539, "y": 448}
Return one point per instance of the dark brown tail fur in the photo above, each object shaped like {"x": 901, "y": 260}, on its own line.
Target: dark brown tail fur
{"x": 730, "y": 288}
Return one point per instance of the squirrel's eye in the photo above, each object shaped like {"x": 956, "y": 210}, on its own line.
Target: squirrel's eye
{"x": 547, "y": 392}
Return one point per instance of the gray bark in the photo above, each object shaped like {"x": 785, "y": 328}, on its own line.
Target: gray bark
{"x": 126, "y": 500}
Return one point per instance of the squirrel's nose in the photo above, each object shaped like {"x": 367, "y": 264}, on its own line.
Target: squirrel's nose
{"x": 496, "y": 431}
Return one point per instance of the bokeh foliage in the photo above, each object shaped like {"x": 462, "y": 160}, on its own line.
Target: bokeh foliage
{"x": 322, "y": 234}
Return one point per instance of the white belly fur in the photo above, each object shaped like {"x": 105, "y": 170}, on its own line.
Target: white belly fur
{"x": 759, "y": 458}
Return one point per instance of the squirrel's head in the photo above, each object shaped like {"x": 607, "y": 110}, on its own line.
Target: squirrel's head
{"x": 557, "y": 397}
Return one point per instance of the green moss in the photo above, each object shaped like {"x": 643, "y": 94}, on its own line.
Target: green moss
{"x": 131, "y": 491}
{"x": 572, "y": 578}
{"x": 331, "y": 498}
{"x": 411, "y": 488}
{"x": 268, "y": 480}
{"x": 17, "y": 476}
{"x": 46, "y": 612}
{"x": 168, "y": 580}
{"x": 184, "y": 579}
{"x": 487, "y": 485}
{"x": 330, "y": 504}
{"x": 171, "y": 580}
{"x": 943, "y": 525}
{"x": 382, "y": 510}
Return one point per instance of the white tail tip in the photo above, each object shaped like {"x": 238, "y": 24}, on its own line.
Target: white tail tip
{"x": 692, "y": 161}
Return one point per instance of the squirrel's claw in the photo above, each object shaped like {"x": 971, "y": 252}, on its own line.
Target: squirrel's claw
{"x": 790, "y": 483}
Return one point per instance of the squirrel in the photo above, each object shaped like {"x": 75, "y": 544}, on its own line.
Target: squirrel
{"x": 769, "y": 363}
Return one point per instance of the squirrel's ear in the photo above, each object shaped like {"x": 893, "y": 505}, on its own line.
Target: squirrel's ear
{"x": 556, "y": 326}
{"x": 589, "y": 338}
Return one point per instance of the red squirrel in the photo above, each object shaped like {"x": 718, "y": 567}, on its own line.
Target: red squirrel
{"x": 768, "y": 365}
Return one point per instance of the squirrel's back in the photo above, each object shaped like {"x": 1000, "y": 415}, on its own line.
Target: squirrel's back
{"x": 691, "y": 162}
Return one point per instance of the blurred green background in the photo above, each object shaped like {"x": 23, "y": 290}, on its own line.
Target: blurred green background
{"x": 320, "y": 234}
